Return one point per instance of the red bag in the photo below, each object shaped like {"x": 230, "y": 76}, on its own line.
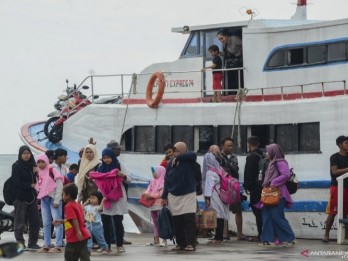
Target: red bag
{"x": 146, "y": 202}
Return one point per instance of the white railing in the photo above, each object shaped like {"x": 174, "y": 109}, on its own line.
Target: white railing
{"x": 341, "y": 226}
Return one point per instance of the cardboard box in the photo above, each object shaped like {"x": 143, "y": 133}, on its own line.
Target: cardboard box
{"x": 206, "y": 219}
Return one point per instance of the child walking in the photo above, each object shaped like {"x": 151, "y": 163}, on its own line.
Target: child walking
{"x": 155, "y": 190}
{"x": 50, "y": 187}
{"x": 217, "y": 75}
{"x": 76, "y": 232}
{"x": 93, "y": 208}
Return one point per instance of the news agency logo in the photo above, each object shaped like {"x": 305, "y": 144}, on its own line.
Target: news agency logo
{"x": 338, "y": 253}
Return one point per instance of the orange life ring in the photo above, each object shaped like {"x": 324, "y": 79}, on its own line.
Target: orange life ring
{"x": 153, "y": 103}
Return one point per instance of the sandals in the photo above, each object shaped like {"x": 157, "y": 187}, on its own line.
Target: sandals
{"x": 121, "y": 249}
{"x": 177, "y": 247}
{"x": 55, "y": 250}
{"x": 43, "y": 250}
{"x": 242, "y": 238}
{"x": 190, "y": 248}
{"x": 325, "y": 240}
{"x": 254, "y": 239}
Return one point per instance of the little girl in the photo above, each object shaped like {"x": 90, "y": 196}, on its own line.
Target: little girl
{"x": 50, "y": 187}
{"x": 111, "y": 186}
{"x": 155, "y": 190}
{"x": 93, "y": 207}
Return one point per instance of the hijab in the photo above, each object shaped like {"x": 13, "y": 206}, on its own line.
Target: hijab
{"x": 212, "y": 163}
{"x": 104, "y": 168}
{"x": 86, "y": 165}
{"x": 275, "y": 153}
{"x": 29, "y": 164}
{"x": 181, "y": 147}
{"x": 158, "y": 181}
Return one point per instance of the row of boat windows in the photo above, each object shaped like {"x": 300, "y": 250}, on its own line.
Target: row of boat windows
{"x": 308, "y": 55}
{"x": 294, "y": 138}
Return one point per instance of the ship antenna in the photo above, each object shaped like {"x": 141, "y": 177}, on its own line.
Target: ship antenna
{"x": 301, "y": 10}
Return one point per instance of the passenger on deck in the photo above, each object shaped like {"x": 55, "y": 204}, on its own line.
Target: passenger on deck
{"x": 233, "y": 58}
{"x": 338, "y": 167}
{"x": 217, "y": 75}
{"x": 180, "y": 195}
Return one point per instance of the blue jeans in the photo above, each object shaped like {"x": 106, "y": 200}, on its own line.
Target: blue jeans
{"x": 96, "y": 229}
{"x": 275, "y": 225}
{"x": 48, "y": 212}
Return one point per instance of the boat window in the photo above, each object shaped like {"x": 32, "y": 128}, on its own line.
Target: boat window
{"x": 206, "y": 137}
{"x": 210, "y": 39}
{"x": 337, "y": 52}
{"x": 309, "y": 137}
{"x": 277, "y": 60}
{"x": 317, "y": 54}
{"x": 183, "y": 133}
{"x": 144, "y": 139}
{"x": 287, "y": 136}
{"x": 163, "y": 136}
{"x": 126, "y": 141}
{"x": 226, "y": 131}
{"x": 295, "y": 56}
{"x": 262, "y": 132}
{"x": 193, "y": 45}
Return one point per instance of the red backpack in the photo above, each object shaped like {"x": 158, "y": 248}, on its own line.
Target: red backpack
{"x": 229, "y": 188}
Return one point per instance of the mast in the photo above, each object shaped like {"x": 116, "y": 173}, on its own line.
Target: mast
{"x": 301, "y": 10}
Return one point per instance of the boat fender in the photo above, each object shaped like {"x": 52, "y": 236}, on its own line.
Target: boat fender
{"x": 153, "y": 103}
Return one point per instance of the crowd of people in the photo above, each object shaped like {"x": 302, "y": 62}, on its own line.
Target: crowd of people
{"x": 86, "y": 203}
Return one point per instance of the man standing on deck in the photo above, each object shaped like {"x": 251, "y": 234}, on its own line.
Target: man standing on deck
{"x": 338, "y": 167}
{"x": 231, "y": 161}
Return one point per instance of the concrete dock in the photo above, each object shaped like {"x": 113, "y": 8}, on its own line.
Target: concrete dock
{"x": 229, "y": 250}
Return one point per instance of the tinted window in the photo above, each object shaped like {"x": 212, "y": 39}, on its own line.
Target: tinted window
{"x": 163, "y": 136}
{"x": 192, "y": 48}
{"x": 287, "y": 136}
{"x": 337, "y": 52}
{"x": 144, "y": 139}
{"x": 277, "y": 60}
{"x": 184, "y": 134}
{"x": 210, "y": 39}
{"x": 309, "y": 137}
{"x": 206, "y": 137}
{"x": 317, "y": 54}
{"x": 295, "y": 56}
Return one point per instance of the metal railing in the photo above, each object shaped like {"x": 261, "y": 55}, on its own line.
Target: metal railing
{"x": 341, "y": 219}
{"x": 263, "y": 92}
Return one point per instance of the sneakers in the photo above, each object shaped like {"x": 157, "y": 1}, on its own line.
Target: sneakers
{"x": 34, "y": 247}
{"x": 121, "y": 249}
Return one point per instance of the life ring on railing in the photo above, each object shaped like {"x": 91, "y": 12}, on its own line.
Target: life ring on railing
{"x": 153, "y": 103}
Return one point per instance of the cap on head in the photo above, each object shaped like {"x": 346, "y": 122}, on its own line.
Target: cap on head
{"x": 113, "y": 145}
{"x": 341, "y": 139}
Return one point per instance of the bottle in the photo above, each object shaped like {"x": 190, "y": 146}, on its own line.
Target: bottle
{"x": 260, "y": 176}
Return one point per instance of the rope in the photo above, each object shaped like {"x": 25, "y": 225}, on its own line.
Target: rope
{"x": 133, "y": 86}
{"x": 240, "y": 96}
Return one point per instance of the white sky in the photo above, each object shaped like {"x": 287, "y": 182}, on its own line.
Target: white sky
{"x": 43, "y": 42}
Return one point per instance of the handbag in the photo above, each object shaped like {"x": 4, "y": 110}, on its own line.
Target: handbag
{"x": 146, "y": 202}
{"x": 292, "y": 183}
{"x": 270, "y": 196}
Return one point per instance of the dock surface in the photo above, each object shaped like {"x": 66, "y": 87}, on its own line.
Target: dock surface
{"x": 230, "y": 250}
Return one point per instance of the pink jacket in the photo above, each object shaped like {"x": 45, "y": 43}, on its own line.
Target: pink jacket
{"x": 155, "y": 188}
{"x": 109, "y": 184}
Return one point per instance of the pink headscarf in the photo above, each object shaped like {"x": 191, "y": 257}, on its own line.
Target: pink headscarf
{"x": 46, "y": 184}
{"x": 157, "y": 183}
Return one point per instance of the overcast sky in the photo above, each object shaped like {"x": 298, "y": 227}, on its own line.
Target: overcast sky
{"x": 43, "y": 42}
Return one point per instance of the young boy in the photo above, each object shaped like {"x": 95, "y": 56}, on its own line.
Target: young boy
{"x": 75, "y": 230}
{"x": 73, "y": 170}
{"x": 93, "y": 208}
{"x": 217, "y": 75}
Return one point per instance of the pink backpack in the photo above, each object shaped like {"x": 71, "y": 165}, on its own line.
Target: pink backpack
{"x": 229, "y": 188}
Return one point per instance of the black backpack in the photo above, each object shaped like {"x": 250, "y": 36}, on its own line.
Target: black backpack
{"x": 8, "y": 191}
{"x": 262, "y": 168}
{"x": 165, "y": 224}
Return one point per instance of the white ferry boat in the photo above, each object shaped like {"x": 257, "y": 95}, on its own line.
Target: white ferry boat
{"x": 294, "y": 93}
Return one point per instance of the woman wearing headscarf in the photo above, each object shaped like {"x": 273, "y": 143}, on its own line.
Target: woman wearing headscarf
{"x": 180, "y": 195}
{"x": 113, "y": 209}
{"x": 89, "y": 162}
{"x": 24, "y": 181}
{"x": 212, "y": 198}
{"x": 275, "y": 227}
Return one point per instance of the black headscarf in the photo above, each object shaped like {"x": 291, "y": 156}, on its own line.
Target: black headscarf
{"x": 29, "y": 164}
